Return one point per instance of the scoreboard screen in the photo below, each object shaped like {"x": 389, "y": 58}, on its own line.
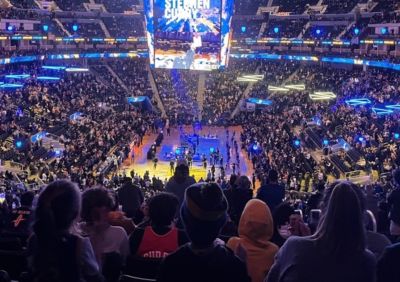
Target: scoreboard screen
{"x": 188, "y": 34}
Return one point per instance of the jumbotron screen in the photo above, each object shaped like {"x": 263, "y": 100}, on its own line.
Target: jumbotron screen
{"x": 189, "y": 34}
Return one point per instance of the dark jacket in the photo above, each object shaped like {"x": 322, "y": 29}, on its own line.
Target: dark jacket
{"x": 237, "y": 200}
{"x": 388, "y": 265}
{"x": 131, "y": 198}
{"x": 179, "y": 188}
{"x": 394, "y": 203}
{"x": 219, "y": 265}
{"x": 272, "y": 194}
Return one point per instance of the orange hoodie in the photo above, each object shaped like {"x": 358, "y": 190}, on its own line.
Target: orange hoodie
{"x": 255, "y": 230}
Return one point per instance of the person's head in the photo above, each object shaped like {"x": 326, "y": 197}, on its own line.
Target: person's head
{"x": 162, "y": 209}
{"x": 243, "y": 182}
{"x": 282, "y": 214}
{"x": 181, "y": 173}
{"x": 27, "y": 199}
{"x": 204, "y": 213}
{"x": 328, "y": 193}
{"x": 396, "y": 176}
{"x": 127, "y": 180}
{"x": 57, "y": 209}
{"x": 232, "y": 180}
{"x": 341, "y": 230}
{"x": 256, "y": 223}
{"x": 96, "y": 205}
{"x": 272, "y": 176}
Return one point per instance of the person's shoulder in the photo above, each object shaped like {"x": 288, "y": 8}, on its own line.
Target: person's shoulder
{"x": 224, "y": 251}
{"x": 117, "y": 231}
{"x": 393, "y": 249}
{"x": 232, "y": 243}
{"x": 298, "y": 242}
{"x": 369, "y": 259}
{"x": 396, "y": 192}
{"x": 375, "y": 236}
{"x": 191, "y": 180}
{"x": 179, "y": 255}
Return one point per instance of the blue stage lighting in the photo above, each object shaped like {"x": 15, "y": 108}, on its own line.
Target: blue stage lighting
{"x": 326, "y": 142}
{"x": 384, "y": 30}
{"x": 10, "y": 28}
{"x": 276, "y": 29}
{"x": 11, "y": 85}
{"x": 244, "y": 29}
{"x": 19, "y": 112}
{"x": 318, "y": 31}
{"x": 212, "y": 150}
{"x": 75, "y": 27}
{"x": 255, "y": 147}
{"x": 356, "y": 31}
{"x": 19, "y": 144}
{"x": 45, "y": 28}
{"x": 396, "y": 135}
{"x": 361, "y": 139}
{"x": 48, "y": 78}
{"x": 297, "y": 143}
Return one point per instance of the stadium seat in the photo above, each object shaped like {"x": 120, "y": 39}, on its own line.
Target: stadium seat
{"x": 142, "y": 267}
{"x": 128, "y": 278}
{"x": 14, "y": 262}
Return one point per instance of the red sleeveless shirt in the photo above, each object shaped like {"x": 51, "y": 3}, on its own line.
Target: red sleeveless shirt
{"x": 158, "y": 246}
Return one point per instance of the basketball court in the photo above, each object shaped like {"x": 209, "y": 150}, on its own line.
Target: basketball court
{"x": 210, "y": 139}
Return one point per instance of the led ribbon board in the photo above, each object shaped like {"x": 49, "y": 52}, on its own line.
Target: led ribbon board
{"x": 17, "y": 76}
{"x": 10, "y": 85}
{"x": 58, "y": 68}
{"x": 277, "y": 89}
{"x": 38, "y": 136}
{"x": 258, "y": 101}
{"x": 48, "y": 78}
{"x": 287, "y": 88}
{"x": 301, "y": 87}
{"x": 358, "y": 102}
{"x": 393, "y": 107}
{"x": 381, "y": 112}
{"x": 319, "y": 96}
{"x": 76, "y": 69}
{"x": 139, "y": 99}
{"x": 250, "y": 78}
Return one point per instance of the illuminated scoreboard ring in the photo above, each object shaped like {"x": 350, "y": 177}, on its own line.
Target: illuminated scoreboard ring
{"x": 188, "y": 34}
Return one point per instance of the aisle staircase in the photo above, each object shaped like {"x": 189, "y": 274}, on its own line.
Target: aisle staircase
{"x": 104, "y": 28}
{"x": 348, "y": 27}
{"x": 200, "y": 94}
{"x": 59, "y": 23}
{"x": 300, "y": 36}
{"x": 120, "y": 82}
{"x": 154, "y": 88}
{"x": 245, "y": 95}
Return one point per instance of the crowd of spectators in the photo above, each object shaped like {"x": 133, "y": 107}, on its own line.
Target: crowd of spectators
{"x": 178, "y": 91}
{"x": 124, "y": 26}
{"x": 298, "y": 7}
{"x": 92, "y": 29}
{"x": 92, "y": 144}
{"x": 223, "y": 91}
{"x": 91, "y": 223}
{"x": 120, "y": 234}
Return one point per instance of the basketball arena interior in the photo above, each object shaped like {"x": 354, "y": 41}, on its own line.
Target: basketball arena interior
{"x": 199, "y": 140}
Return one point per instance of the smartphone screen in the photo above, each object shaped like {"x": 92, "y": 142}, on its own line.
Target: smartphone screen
{"x": 2, "y": 198}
